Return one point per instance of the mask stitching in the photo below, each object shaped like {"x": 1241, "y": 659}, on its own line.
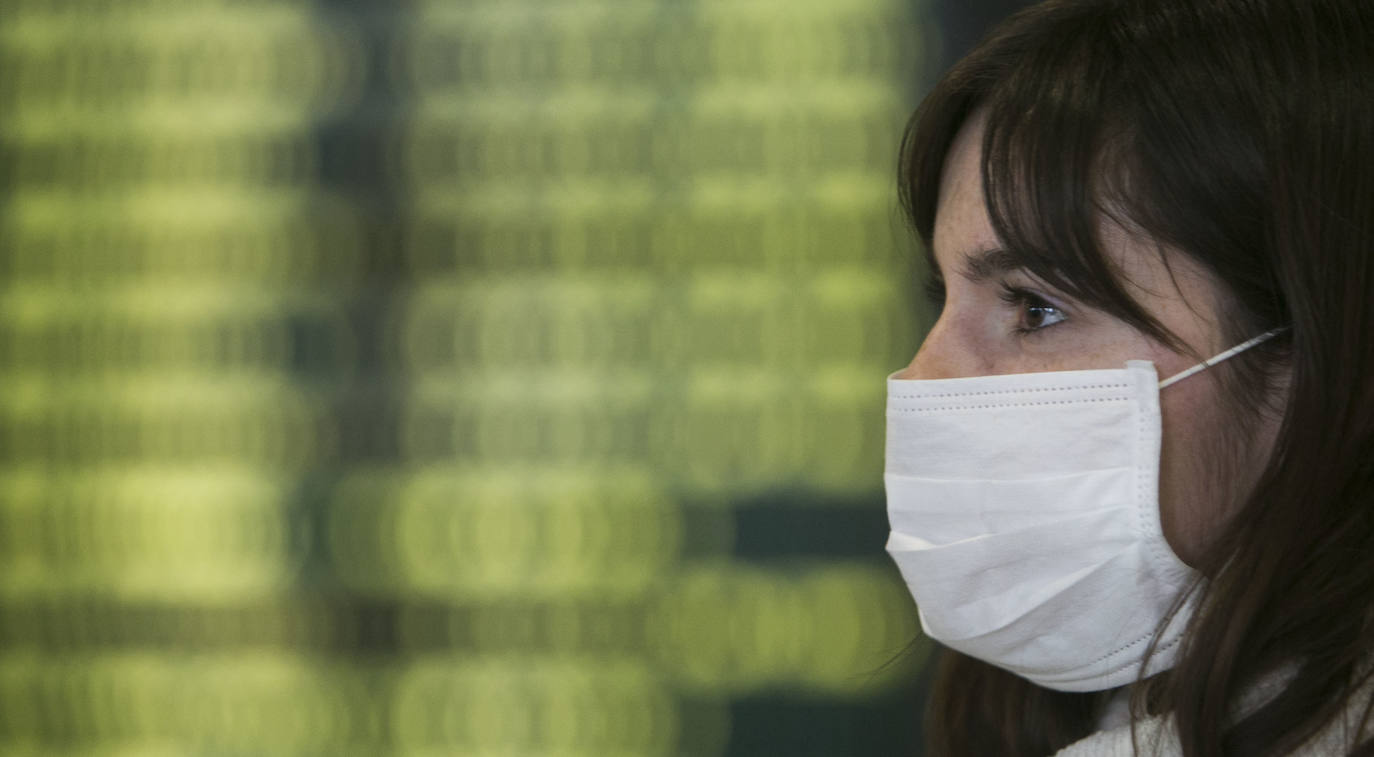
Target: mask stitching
{"x": 1157, "y": 553}
{"x": 1009, "y": 391}
{"x": 1000, "y": 406}
{"x": 1161, "y": 648}
{"x": 1165, "y": 647}
{"x": 1145, "y": 531}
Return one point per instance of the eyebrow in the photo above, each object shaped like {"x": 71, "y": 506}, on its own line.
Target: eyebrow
{"x": 981, "y": 265}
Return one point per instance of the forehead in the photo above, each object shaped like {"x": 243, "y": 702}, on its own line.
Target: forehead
{"x": 961, "y": 219}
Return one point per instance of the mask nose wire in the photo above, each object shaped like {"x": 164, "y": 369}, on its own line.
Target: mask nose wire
{"x": 1220, "y": 357}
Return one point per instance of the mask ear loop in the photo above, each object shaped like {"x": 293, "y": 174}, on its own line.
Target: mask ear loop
{"x": 1211, "y": 361}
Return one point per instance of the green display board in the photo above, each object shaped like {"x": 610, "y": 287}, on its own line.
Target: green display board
{"x": 431, "y": 378}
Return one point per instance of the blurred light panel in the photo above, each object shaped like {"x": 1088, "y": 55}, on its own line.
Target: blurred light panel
{"x": 483, "y": 378}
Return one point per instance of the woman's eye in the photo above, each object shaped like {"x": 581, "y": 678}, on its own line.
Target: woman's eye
{"x": 1033, "y": 311}
{"x": 1038, "y": 316}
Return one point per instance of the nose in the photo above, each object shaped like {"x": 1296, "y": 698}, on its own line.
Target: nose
{"x": 943, "y": 354}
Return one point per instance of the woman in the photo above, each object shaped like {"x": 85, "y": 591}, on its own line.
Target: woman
{"x": 1131, "y": 469}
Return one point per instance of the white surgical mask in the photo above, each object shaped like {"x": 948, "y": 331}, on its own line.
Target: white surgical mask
{"x": 1025, "y": 520}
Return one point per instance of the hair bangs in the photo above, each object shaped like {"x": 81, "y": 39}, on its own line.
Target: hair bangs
{"x": 1056, "y": 152}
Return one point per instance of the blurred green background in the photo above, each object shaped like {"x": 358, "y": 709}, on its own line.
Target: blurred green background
{"x": 482, "y": 378}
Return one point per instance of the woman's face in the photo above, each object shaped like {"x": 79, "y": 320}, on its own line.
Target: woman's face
{"x": 998, "y": 319}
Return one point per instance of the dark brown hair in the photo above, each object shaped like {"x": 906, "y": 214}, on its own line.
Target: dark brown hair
{"x": 1239, "y": 133}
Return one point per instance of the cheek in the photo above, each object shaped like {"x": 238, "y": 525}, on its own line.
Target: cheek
{"x": 956, "y": 347}
{"x": 1193, "y": 468}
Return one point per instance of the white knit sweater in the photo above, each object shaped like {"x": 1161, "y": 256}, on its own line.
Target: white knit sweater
{"x": 1157, "y": 737}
